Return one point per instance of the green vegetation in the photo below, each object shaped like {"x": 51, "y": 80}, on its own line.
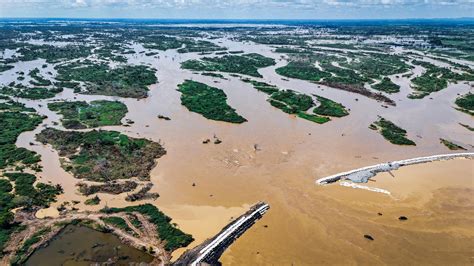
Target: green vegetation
{"x": 434, "y": 79}
{"x": 290, "y": 101}
{"x": 192, "y": 46}
{"x": 38, "y": 80}
{"x": 466, "y": 103}
{"x": 22, "y": 254}
{"x": 119, "y": 223}
{"x": 15, "y": 118}
{"x": 103, "y": 155}
{"x": 34, "y": 93}
{"x": 27, "y": 195}
{"x": 208, "y": 101}
{"x": 124, "y": 81}
{"x": 92, "y": 201}
{"x": 391, "y": 132}
{"x": 24, "y": 195}
{"x": 112, "y": 187}
{"x": 173, "y": 237}
{"x": 330, "y": 108}
{"x": 53, "y": 54}
{"x": 211, "y": 74}
{"x": 386, "y": 85}
{"x": 78, "y": 115}
{"x": 302, "y": 70}
{"x": 296, "y": 103}
{"x": 247, "y": 64}
{"x": 314, "y": 118}
{"x": 338, "y": 72}
{"x": 5, "y": 67}
{"x": 467, "y": 126}
{"x": 452, "y": 146}
{"x": 261, "y": 86}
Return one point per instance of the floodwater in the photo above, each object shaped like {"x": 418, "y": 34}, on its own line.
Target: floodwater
{"x": 307, "y": 224}
{"x": 79, "y": 245}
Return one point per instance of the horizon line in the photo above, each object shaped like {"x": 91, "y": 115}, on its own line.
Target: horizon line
{"x": 245, "y": 19}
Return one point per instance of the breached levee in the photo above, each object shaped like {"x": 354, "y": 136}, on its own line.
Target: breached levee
{"x": 362, "y": 175}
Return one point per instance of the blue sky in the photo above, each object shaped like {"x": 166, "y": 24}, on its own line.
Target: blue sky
{"x": 239, "y": 9}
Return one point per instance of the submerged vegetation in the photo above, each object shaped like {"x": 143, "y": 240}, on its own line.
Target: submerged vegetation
{"x": 208, "y": 101}
{"x": 391, "y": 132}
{"x": 247, "y": 64}
{"x": 103, "y": 155}
{"x": 79, "y": 115}
{"x": 452, "y": 146}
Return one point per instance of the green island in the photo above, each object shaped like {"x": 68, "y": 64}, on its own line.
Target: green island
{"x": 247, "y": 64}
{"x": 329, "y": 107}
{"x": 80, "y": 115}
{"x": 124, "y": 81}
{"x": 465, "y": 103}
{"x": 292, "y": 102}
{"x": 452, "y": 146}
{"x": 302, "y": 70}
{"x": 103, "y": 155}
{"x": 391, "y": 132}
{"x": 208, "y": 101}
{"x": 339, "y": 73}
{"x": 386, "y": 85}
{"x": 173, "y": 237}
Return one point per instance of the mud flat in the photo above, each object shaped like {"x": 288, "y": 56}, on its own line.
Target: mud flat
{"x": 362, "y": 175}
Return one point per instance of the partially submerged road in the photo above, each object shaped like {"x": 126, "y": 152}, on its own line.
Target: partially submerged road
{"x": 362, "y": 175}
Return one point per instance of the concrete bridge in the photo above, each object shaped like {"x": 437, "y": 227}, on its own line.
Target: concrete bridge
{"x": 209, "y": 252}
{"x": 362, "y": 175}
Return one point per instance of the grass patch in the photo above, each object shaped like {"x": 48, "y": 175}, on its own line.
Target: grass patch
{"x": 452, "y": 146}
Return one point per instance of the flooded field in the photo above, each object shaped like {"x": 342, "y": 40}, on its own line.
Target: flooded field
{"x": 204, "y": 186}
{"x": 79, "y": 245}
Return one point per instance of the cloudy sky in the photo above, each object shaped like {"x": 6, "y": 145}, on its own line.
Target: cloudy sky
{"x": 235, "y": 9}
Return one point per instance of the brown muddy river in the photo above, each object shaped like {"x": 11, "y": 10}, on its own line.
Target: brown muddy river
{"x": 307, "y": 224}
